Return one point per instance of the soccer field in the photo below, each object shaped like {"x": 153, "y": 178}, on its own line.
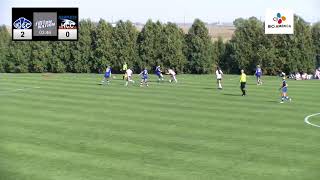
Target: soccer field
{"x": 67, "y": 127}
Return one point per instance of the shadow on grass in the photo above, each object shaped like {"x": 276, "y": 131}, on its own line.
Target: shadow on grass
{"x": 273, "y": 101}
{"x": 227, "y": 94}
{"x": 209, "y": 88}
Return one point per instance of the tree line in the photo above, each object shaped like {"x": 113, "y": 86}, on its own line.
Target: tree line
{"x": 100, "y": 44}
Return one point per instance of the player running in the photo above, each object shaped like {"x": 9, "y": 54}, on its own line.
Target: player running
{"x": 219, "y": 74}
{"x": 173, "y": 75}
{"x": 128, "y": 77}
{"x": 159, "y": 73}
{"x": 124, "y": 69}
{"x": 284, "y": 90}
{"x": 107, "y": 76}
{"x": 258, "y": 74}
{"x": 243, "y": 81}
{"x": 144, "y": 77}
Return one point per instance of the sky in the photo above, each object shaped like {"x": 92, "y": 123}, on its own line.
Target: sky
{"x": 179, "y": 11}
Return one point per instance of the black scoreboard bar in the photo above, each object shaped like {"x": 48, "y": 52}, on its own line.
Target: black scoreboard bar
{"x": 45, "y": 24}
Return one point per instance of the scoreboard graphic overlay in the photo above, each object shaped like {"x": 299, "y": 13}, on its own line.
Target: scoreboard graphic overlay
{"x": 45, "y": 24}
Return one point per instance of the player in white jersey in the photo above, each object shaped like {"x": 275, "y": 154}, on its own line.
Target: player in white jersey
{"x": 173, "y": 75}
{"x": 128, "y": 77}
{"x": 219, "y": 74}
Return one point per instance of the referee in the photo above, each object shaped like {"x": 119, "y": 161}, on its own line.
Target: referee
{"x": 124, "y": 69}
{"x": 243, "y": 80}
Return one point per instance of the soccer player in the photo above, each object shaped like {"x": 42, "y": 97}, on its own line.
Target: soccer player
{"x": 219, "y": 74}
{"x": 258, "y": 74}
{"x": 124, "y": 69}
{"x": 144, "y": 77}
{"x": 173, "y": 75}
{"x": 284, "y": 90}
{"x": 128, "y": 77}
{"x": 243, "y": 81}
{"x": 159, "y": 73}
{"x": 107, "y": 75}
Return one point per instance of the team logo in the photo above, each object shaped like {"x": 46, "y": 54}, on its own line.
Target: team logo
{"x": 68, "y": 22}
{"x": 279, "y": 18}
{"x": 22, "y": 23}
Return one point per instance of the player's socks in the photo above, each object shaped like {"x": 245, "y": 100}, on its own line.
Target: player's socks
{"x": 243, "y": 92}
{"x": 288, "y": 98}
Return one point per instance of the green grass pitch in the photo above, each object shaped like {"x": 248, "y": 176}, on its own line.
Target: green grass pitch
{"x": 67, "y": 127}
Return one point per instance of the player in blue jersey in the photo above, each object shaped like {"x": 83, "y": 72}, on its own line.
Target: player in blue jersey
{"x": 258, "y": 74}
{"x": 284, "y": 90}
{"x": 159, "y": 73}
{"x": 144, "y": 77}
{"x": 106, "y": 76}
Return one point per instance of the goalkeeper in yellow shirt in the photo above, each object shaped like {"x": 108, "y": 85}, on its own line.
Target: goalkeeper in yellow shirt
{"x": 124, "y": 70}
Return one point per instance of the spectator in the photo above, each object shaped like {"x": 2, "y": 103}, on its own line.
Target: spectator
{"x": 317, "y": 74}
{"x": 304, "y": 75}
{"x": 298, "y": 76}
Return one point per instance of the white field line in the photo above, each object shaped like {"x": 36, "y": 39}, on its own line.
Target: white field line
{"x": 306, "y": 120}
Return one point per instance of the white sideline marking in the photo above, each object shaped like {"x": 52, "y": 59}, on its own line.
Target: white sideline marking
{"x": 20, "y": 89}
{"x": 306, "y": 120}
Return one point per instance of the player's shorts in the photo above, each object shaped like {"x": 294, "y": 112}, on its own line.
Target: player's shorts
{"x": 144, "y": 77}
{"x": 219, "y": 79}
{"x": 159, "y": 75}
{"x": 107, "y": 75}
{"x": 243, "y": 85}
{"x": 258, "y": 75}
{"x": 284, "y": 89}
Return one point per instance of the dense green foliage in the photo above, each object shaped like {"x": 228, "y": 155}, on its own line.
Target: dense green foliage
{"x": 100, "y": 45}
{"x": 199, "y": 48}
{"x": 316, "y": 41}
{"x": 66, "y": 127}
{"x": 290, "y": 53}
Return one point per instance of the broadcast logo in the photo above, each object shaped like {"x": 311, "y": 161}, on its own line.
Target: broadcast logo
{"x": 279, "y": 21}
{"x": 279, "y": 18}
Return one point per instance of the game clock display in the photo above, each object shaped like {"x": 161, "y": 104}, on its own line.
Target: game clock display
{"x": 45, "y": 24}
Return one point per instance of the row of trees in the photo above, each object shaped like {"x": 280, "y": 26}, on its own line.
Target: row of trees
{"x": 167, "y": 45}
{"x": 289, "y": 53}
